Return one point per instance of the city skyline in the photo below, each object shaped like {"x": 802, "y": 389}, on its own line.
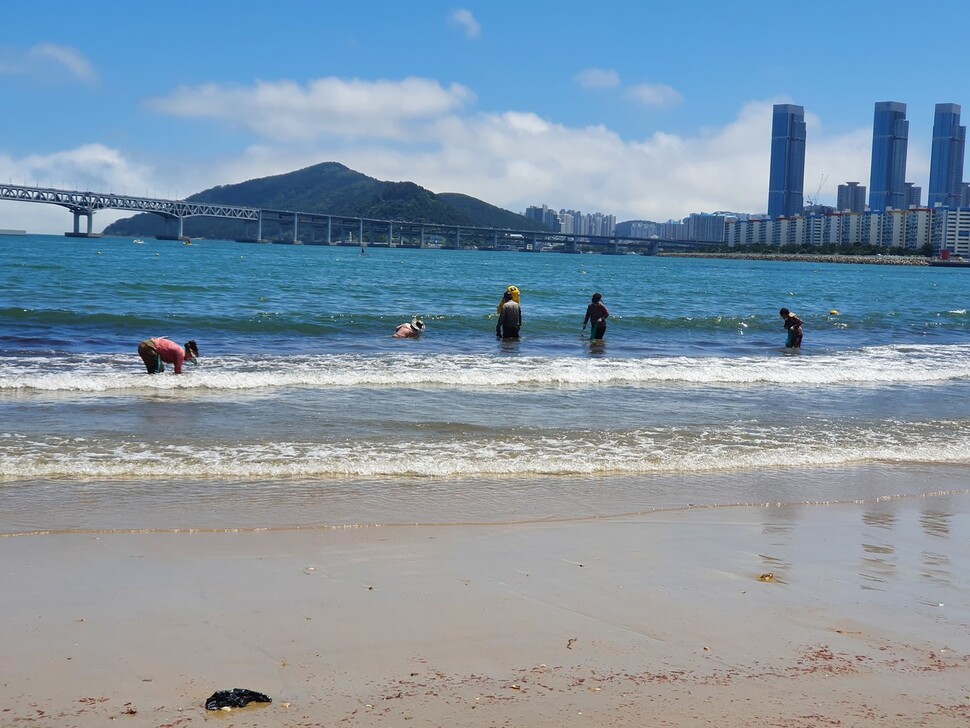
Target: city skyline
{"x": 493, "y": 100}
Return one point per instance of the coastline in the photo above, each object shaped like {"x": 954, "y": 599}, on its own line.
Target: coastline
{"x": 663, "y": 619}
{"x": 810, "y": 258}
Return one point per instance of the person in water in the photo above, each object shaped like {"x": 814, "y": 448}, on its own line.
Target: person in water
{"x": 793, "y": 325}
{"x": 411, "y": 330}
{"x": 160, "y": 351}
{"x": 509, "y": 317}
{"x": 515, "y": 297}
{"x": 596, "y": 314}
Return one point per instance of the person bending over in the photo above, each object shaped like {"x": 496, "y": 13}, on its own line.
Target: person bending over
{"x": 793, "y": 325}
{"x": 160, "y": 351}
{"x": 411, "y": 330}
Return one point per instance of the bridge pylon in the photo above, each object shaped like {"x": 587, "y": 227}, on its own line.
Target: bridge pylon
{"x": 78, "y": 214}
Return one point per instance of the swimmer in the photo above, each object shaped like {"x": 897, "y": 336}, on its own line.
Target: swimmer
{"x": 411, "y": 330}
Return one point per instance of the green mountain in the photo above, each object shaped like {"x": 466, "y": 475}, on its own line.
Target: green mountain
{"x": 330, "y": 189}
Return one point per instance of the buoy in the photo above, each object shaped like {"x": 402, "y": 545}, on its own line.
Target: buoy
{"x": 833, "y": 312}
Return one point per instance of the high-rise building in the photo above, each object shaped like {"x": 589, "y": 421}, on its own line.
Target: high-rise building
{"x": 786, "y": 181}
{"x": 548, "y": 218}
{"x": 704, "y": 226}
{"x": 851, "y": 198}
{"x": 890, "y": 137}
{"x": 914, "y": 195}
{"x": 946, "y": 162}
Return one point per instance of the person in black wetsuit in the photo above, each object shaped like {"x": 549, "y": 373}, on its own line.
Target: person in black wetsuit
{"x": 793, "y": 325}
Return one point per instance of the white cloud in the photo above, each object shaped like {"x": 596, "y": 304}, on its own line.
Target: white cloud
{"x": 93, "y": 167}
{"x": 516, "y": 159}
{"x": 49, "y": 62}
{"x": 464, "y": 19}
{"x": 288, "y": 111}
{"x": 596, "y": 78}
{"x": 69, "y": 58}
{"x": 512, "y": 159}
{"x": 656, "y": 95}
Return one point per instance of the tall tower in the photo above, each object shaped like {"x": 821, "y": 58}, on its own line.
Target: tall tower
{"x": 946, "y": 162}
{"x": 786, "y": 181}
{"x": 890, "y": 137}
{"x": 851, "y": 197}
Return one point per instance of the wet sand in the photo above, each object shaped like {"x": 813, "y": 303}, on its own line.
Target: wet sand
{"x": 852, "y": 614}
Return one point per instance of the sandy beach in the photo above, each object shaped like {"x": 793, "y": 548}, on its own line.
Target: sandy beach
{"x": 664, "y": 619}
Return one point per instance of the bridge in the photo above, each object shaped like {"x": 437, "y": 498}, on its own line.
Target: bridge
{"x": 321, "y": 229}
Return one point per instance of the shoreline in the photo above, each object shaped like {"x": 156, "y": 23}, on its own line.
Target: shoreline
{"x": 666, "y": 619}
{"x": 810, "y": 258}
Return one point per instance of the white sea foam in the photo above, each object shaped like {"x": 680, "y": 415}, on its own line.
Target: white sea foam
{"x": 645, "y": 451}
{"x": 923, "y": 364}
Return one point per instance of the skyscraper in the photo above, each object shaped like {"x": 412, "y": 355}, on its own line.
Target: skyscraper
{"x": 851, "y": 197}
{"x": 946, "y": 162}
{"x": 890, "y": 137}
{"x": 913, "y": 195}
{"x": 786, "y": 181}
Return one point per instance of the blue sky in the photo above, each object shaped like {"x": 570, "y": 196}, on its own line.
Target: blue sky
{"x": 646, "y": 110}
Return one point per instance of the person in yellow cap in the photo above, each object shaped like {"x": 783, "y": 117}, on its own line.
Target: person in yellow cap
{"x": 515, "y": 297}
{"x": 509, "y": 318}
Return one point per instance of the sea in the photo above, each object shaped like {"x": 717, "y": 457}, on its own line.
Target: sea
{"x": 304, "y": 411}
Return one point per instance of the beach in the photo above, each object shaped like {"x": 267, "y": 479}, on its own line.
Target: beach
{"x": 778, "y": 615}
{"x": 683, "y": 524}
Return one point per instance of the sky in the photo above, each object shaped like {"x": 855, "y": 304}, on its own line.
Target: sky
{"x": 640, "y": 109}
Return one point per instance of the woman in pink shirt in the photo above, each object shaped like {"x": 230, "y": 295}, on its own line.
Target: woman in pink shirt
{"x": 158, "y": 350}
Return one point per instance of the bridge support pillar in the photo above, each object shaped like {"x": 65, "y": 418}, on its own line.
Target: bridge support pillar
{"x": 173, "y": 229}
{"x": 89, "y": 214}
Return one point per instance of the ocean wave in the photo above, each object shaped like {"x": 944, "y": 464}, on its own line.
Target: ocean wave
{"x": 655, "y": 451}
{"x": 885, "y": 365}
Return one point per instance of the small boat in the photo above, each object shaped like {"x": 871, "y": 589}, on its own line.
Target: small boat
{"x": 139, "y": 241}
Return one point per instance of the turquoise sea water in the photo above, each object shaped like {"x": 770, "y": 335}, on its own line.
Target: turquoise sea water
{"x": 306, "y": 411}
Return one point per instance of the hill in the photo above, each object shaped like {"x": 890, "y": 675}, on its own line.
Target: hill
{"x": 330, "y": 188}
